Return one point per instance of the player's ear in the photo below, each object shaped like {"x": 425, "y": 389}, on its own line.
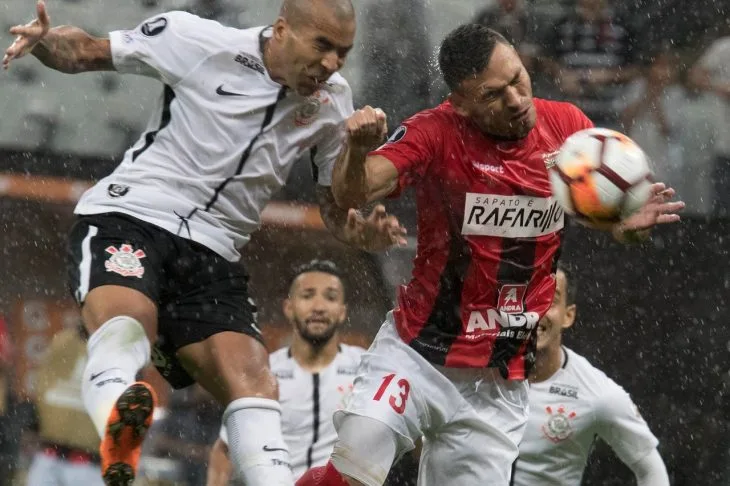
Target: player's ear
{"x": 288, "y": 309}
{"x": 570, "y": 312}
{"x": 280, "y": 29}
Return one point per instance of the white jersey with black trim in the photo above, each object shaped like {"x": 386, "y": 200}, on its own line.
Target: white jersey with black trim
{"x": 224, "y": 136}
{"x": 567, "y": 412}
{"x": 308, "y": 401}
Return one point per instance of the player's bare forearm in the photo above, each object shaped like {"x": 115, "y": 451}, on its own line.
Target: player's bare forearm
{"x": 334, "y": 217}
{"x": 219, "y": 465}
{"x": 70, "y": 50}
{"x": 349, "y": 178}
{"x": 359, "y": 179}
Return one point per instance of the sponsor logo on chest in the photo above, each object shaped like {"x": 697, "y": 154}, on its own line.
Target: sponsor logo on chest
{"x": 511, "y": 216}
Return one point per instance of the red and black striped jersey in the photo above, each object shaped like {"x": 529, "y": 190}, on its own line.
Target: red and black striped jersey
{"x": 489, "y": 236}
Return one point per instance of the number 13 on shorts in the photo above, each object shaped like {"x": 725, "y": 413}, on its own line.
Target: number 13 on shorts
{"x": 399, "y": 392}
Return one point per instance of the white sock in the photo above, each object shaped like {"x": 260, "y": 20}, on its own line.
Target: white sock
{"x": 116, "y": 352}
{"x": 256, "y": 447}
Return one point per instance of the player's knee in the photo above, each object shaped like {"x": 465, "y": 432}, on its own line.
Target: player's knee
{"x": 365, "y": 450}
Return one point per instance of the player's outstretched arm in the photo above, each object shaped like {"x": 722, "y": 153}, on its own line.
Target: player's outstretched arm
{"x": 66, "y": 48}
{"x": 650, "y": 470}
{"x": 357, "y": 178}
{"x": 219, "y": 466}
{"x": 376, "y": 232}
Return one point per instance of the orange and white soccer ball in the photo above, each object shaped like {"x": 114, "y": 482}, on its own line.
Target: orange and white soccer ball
{"x": 601, "y": 176}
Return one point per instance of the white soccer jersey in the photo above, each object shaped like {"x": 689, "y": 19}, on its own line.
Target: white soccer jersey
{"x": 308, "y": 401}
{"x": 224, "y": 136}
{"x": 567, "y": 412}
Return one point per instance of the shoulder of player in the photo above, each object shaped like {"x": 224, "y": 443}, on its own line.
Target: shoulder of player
{"x": 434, "y": 119}
{"x": 210, "y": 34}
{"x": 601, "y": 387}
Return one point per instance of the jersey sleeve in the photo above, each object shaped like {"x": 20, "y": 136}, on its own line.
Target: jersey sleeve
{"x": 324, "y": 154}
{"x": 411, "y": 148}
{"x": 166, "y": 47}
{"x": 621, "y": 425}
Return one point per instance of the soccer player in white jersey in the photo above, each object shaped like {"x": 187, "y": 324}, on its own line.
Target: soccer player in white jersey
{"x": 153, "y": 253}
{"x": 314, "y": 373}
{"x": 572, "y": 402}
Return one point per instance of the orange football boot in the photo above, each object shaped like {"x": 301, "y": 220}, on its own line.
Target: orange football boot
{"x": 125, "y": 430}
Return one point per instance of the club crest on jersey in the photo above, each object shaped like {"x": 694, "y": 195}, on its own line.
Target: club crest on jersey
{"x": 550, "y": 159}
{"x": 512, "y": 299}
{"x": 559, "y": 424}
{"x": 125, "y": 261}
{"x": 308, "y": 111}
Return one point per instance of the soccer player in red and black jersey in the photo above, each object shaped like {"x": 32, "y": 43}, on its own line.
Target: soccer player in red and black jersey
{"x": 450, "y": 362}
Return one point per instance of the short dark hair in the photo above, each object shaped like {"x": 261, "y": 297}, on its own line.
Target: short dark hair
{"x": 571, "y": 287}
{"x": 466, "y": 52}
{"x": 324, "y": 266}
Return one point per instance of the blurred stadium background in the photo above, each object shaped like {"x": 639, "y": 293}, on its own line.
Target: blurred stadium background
{"x": 654, "y": 317}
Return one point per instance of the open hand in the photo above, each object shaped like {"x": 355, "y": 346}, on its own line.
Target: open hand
{"x": 379, "y": 231}
{"x": 659, "y": 209}
{"x": 28, "y": 35}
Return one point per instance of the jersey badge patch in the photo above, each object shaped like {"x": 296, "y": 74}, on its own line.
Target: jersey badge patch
{"x": 154, "y": 27}
{"x": 558, "y": 426}
{"x": 125, "y": 261}
{"x": 512, "y": 299}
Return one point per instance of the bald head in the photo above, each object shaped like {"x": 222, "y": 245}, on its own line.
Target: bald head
{"x": 305, "y": 11}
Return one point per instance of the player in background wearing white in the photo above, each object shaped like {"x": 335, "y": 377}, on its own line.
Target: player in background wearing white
{"x": 572, "y": 402}
{"x": 152, "y": 257}
{"x": 314, "y": 373}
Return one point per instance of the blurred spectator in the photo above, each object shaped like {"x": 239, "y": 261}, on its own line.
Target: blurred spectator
{"x": 179, "y": 443}
{"x": 222, "y": 11}
{"x": 512, "y": 19}
{"x": 68, "y": 442}
{"x": 711, "y": 74}
{"x": 652, "y": 108}
{"x": 10, "y": 422}
{"x": 590, "y": 55}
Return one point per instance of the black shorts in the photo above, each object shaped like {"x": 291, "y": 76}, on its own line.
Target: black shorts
{"x": 198, "y": 293}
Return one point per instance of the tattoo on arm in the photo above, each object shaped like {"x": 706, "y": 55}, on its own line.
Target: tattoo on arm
{"x": 70, "y": 50}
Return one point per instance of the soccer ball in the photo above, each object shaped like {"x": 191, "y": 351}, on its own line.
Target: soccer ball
{"x": 600, "y": 177}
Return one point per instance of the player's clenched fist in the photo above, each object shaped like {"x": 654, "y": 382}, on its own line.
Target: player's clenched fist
{"x": 366, "y": 128}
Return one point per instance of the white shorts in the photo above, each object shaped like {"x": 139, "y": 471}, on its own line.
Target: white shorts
{"x": 471, "y": 420}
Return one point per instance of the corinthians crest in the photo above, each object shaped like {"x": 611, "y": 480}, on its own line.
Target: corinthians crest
{"x": 309, "y": 109}
{"x": 559, "y": 424}
{"x": 125, "y": 261}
